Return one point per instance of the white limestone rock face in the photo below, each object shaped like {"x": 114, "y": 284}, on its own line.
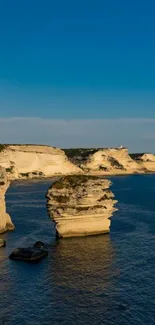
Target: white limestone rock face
{"x": 112, "y": 161}
{"x": 148, "y": 161}
{"x": 5, "y": 220}
{"x": 81, "y": 205}
{"x": 32, "y": 161}
{"x": 148, "y": 157}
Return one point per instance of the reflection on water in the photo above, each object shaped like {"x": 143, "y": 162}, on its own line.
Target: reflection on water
{"x": 82, "y": 271}
{"x": 97, "y": 280}
{"x": 83, "y": 264}
{"x": 77, "y": 271}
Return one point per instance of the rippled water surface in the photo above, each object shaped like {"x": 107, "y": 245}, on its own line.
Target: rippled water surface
{"x": 107, "y": 279}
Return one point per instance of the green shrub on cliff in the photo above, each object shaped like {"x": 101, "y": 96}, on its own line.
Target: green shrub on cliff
{"x": 2, "y": 147}
{"x": 115, "y": 163}
{"x": 72, "y": 181}
{"x": 9, "y": 169}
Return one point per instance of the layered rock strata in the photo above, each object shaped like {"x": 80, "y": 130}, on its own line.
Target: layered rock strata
{"x": 34, "y": 161}
{"x": 81, "y": 205}
{"x": 148, "y": 161}
{"x": 5, "y": 220}
{"x": 112, "y": 161}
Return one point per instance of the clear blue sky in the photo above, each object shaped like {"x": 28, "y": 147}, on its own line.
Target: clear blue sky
{"x": 72, "y": 69}
{"x": 77, "y": 59}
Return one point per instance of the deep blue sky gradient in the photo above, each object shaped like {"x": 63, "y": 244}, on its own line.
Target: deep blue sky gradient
{"x": 77, "y": 59}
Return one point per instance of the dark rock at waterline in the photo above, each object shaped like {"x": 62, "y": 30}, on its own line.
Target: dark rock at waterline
{"x": 30, "y": 254}
{"x": 2, "y": 243}
{"x": 40, "y": 245}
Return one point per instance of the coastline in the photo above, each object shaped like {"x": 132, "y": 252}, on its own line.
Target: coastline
{"x": 26, "y": 162}
{"x": 98, "y": 174}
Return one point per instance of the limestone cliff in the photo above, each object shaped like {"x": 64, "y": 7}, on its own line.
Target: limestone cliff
{"x": 36, "y": 161}
{"x": 31, "y": 161}
{"x": 81, "y": 205}
{"x": 5, "y": 220}
{"x": 148, "y": 161}
{"x": 112, "y": 161}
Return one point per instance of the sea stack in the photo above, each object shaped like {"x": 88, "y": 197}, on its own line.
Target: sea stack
{"x": 5, "y": 220}
{"x": 81, "y": 205}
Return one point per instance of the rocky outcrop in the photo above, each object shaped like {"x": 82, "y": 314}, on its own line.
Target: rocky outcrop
{"x": 30, "y": 254}
{"x": 112, "y": 161}
{"x": 81, "y": 205}
{"x": 2, "y": 243}
{"x": 5, "y": 220}
{"x": 148, "y": 157}
{"x": 34, "y": 161}
{"x": 148, "y": 161}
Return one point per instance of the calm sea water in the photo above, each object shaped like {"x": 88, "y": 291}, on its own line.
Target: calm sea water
{"x": 107, "y": 279}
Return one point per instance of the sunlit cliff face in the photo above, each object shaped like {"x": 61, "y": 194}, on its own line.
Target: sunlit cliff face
{"x": 5, "y": 220}
{"x": 112, "y": 161}
{"x": 34, "y": 161}
{"x": 81, "y": 205}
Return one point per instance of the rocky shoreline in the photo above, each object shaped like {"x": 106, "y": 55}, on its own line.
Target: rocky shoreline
{"x": 26, "y": 162}
{"x": 39, "y": 162}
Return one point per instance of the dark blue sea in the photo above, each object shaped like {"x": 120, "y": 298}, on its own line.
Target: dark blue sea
{"x": 106, "y": 279}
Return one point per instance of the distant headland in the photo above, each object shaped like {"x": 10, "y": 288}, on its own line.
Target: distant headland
{"x": 27, "y": 161}
{"x": 38, "y": 161}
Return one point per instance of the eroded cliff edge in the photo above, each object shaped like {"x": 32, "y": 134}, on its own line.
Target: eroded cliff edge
{"x": 38, "y": 161}
{"x": 111, "y": 161}
{"x": 35, "y": 161}
{"x": 5, "y": 220}
{"x": 81, "y": 205}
